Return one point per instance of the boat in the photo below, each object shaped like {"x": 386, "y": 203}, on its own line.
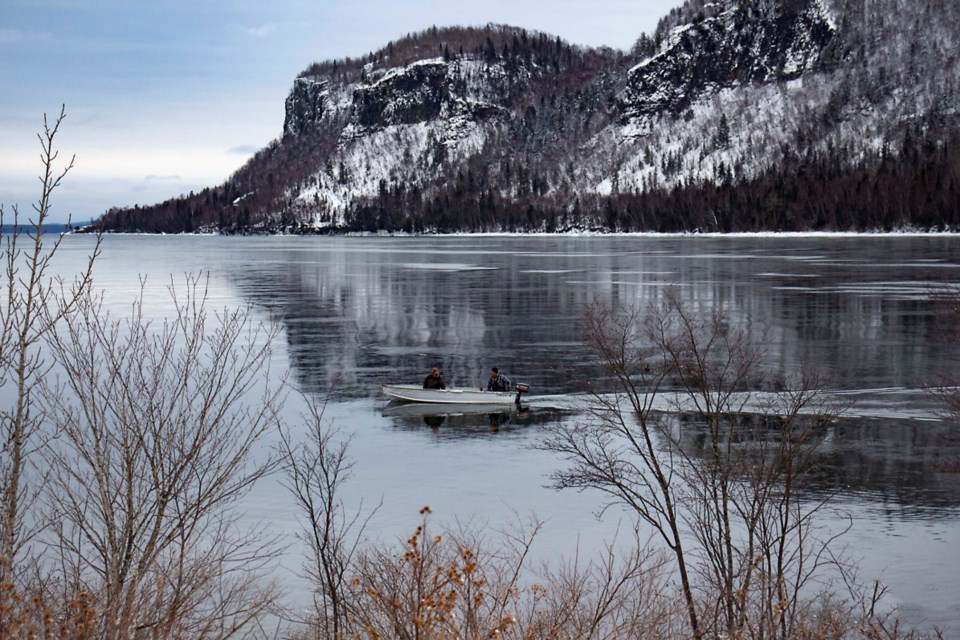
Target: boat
{"x": 416, "y": 393}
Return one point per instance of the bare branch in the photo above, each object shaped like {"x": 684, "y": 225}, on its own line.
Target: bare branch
{"x": 160, "y": 425}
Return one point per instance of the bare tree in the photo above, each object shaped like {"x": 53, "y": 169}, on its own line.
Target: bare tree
{"x": 624, "y": 593}
{"x": 160, "y": 424}
{"x": 33, "y": 301}
{"x": 712, "y": 466}
{"x": 316, "y": 469}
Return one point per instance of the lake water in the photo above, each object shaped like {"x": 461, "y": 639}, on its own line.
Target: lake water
{"x": 359, "y": 312}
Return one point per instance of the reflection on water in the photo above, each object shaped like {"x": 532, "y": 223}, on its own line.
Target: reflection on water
{"x": 911, "y": 463}
{"x": 468, "y": 421}
{"x": 366, "y": 311}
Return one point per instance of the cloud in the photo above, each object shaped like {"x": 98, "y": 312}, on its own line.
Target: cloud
{"x": 169, "y": 178}
{"x": 244, "y": 149}
{"x": 262, "y": 30}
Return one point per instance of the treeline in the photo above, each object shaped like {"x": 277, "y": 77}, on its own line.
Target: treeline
{"x": 491, "y": 43}
{"x": 916, "y": 186}
{"x": 918, "y": 189}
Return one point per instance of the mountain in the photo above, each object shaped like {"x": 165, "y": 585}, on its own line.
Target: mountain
{"x": 732, "y": 116}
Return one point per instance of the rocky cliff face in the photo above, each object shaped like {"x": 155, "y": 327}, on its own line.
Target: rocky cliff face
{"x": 429, "y": 91}
{"x": 742, "y": 44}
{"x": 408, "y": 95}
{"x": 304, "y": 107}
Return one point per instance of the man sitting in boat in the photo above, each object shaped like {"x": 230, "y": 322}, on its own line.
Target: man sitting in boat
{"x": 498, "y": 382}
{"x": 434, "y": 381}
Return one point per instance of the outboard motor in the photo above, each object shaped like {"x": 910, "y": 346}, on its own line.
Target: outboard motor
{"x": 521, "y": 389}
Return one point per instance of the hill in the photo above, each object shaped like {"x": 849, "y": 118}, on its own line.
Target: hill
{"x": 733, "y": 116}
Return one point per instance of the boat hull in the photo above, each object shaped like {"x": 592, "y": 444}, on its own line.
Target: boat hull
{"x": 415, "y": 393}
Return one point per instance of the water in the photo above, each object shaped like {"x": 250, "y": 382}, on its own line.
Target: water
{"x": 358, "y": 312}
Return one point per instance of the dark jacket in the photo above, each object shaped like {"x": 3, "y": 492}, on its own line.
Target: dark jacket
{"x": 499, "y": 382}
{"x": 434, "y": 383}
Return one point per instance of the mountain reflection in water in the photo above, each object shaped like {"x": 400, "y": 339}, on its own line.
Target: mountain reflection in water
{"x": 366, "y": 311}
{"x": 912, "y": 463}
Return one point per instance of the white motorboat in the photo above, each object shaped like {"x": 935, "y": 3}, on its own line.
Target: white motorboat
{"x": 416, "y": 393}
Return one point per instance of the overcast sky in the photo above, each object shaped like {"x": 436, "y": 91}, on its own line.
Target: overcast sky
{"x": 170, "y": 96}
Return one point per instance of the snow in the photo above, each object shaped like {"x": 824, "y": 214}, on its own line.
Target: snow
{"x": 642, "y": 154}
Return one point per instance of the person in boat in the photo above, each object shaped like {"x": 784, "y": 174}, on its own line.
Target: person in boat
{"x": 498, "y": 381}
{"x": 434, "y": 380}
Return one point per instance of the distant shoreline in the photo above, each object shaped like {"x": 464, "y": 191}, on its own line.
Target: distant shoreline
{"x": 76, "y": 230}
{"x": 60, "y": 227}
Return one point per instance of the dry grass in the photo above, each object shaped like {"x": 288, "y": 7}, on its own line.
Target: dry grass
{"x": 38, "y": 614}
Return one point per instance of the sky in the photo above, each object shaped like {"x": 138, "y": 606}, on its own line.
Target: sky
{"x": 169, "y": 96}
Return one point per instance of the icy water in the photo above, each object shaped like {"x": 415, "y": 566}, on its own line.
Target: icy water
{"x": 359, "y": 312}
